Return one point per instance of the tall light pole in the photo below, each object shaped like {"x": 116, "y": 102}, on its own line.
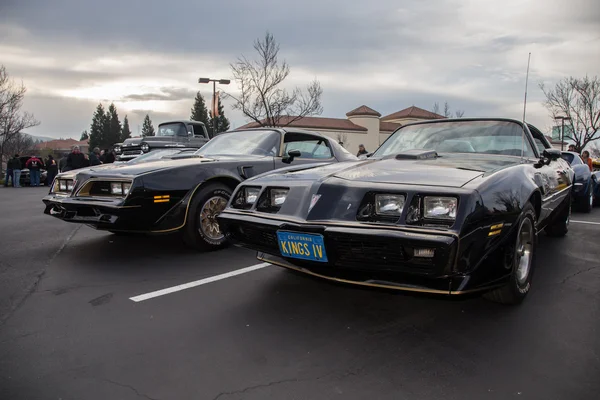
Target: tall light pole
{"x": 214, "y": 81}
{"x": 562, "y": 134}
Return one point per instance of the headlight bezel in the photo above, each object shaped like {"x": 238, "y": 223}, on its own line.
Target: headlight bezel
{"x": 118, "y": 150}
{"x": 388, "y": 201}
{"x": 452, "y": 208}
{"x": 245, "y": 197}
{"x": 368, "y": 210}
{"x": 145, "y": 147}
{"x": 272, "y": 199}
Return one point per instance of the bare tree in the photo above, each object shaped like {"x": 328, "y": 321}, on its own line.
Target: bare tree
{"x": 341, "y": 138}
{"x": 262, "y": 99}
{"x": 578, "y": 99}
{"x": 446, "y": 112}
{"x": 19, "y": 144}
{"x": 12, "y": 120}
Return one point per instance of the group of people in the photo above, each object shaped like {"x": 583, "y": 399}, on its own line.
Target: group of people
{"x": 70, "y": 161}
{"x": 585, "y": 156}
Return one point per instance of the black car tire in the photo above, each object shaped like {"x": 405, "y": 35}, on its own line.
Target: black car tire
{"x": 194, "y": 234}
{"x": 560, "y": 226}
{"x": 515, "y": 291}
{"x": 587, "y": 202}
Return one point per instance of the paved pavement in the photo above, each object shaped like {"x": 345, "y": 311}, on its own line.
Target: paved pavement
{"x": 69, "y": 329}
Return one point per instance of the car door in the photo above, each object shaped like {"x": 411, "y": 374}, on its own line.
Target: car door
{"x": 313, "y": 149}
{"x": 554, "y": 178}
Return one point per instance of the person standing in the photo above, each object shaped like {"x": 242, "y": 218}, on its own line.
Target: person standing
{"x": 16, "y": 167}
{"x": 52, "y": 168}
{"x": 9, "y": 173}
{"x": 76, "y": 159}
{"x": 35, "y": 165}
{"x": 62, "y": 163}
{"x": 95, "y": 157}
{"x": 361, "y": 150}
{"x": 585, "y": 156}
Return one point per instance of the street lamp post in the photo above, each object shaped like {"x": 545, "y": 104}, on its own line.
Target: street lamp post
{"x": 562, "y": 134}
{"x": 214, "y": 81}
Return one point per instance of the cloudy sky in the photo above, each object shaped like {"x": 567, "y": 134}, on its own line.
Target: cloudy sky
{"x": 147, "y": 55}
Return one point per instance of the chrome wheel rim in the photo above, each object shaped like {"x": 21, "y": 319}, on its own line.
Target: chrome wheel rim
{"x": 209, "y": 225}
{"x": 524, "y": 250}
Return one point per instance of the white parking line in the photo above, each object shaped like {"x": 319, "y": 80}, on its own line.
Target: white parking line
{"x": 204, "y": 281}
{"x": 586, "y": 222}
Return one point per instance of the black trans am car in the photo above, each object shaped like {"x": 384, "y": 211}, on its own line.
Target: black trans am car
{"x": 171, "y": 134}
{"x": 447, "y": 207}
{"x": 184, "y": 192}
{"x": 583, "y": 184}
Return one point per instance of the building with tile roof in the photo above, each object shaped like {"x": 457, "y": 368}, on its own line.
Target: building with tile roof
{"x": 363, "y": 125}
{"x": 63, "y": 145}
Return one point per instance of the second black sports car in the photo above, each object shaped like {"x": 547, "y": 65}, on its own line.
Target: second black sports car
{"x": 184, "y": 193}
{"x": 445, "y": 206}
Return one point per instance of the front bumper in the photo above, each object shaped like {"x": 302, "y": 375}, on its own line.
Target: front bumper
{"x": 366, "y": 255}
{"x": 100, "y": 213}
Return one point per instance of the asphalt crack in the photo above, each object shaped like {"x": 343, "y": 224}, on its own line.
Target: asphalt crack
{"x": 33, "y": 287}
{"x": 578, "y": 272}
{"x": 130, "y": 388}
{"x": 356, "y": 372}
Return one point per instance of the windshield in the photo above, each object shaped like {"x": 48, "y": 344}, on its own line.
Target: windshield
{"x": 263, "y": 143}
{"x": 153, "y": 155}
{"x": 174, "y": 129}
{"x": 485, "y": 137}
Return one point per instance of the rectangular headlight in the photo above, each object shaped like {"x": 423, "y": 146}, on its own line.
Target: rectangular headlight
{"x": 126, "y": 188}
{"x": 69, "y": 185}
{"x": 116, "y": 188}
{"x": 278, "y": 197}
{"x": 389, "y": 204}
{"x": 246, "y": 197}
{"x": 62, "y": 185}
{"x": 440, "y": 207}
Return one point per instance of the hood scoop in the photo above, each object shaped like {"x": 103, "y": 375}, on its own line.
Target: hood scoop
{"x": 414, "y": 155}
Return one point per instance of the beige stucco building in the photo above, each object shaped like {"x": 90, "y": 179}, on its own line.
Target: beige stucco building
{"x": 363, "y": 125}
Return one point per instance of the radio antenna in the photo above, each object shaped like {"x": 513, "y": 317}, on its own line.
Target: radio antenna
{"x": 525, "y": 107}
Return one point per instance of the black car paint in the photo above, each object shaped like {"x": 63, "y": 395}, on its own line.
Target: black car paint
{"x": 583, "y": 177}
{"x": 178, "y": 178}
{"x": 492, "y": 191}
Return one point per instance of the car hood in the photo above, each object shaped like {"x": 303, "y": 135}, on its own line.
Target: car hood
{"x": 445, "y": 171}
{"x": 157, "y": 165}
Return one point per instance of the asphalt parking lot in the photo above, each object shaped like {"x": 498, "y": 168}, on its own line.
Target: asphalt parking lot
{"x": 70, "y": 329}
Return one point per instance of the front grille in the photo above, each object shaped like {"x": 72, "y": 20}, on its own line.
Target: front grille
{"x": 261, "y": 239}
{"x": 132, "y": 153}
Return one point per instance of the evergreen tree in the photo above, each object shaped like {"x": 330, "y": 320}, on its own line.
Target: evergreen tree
{"x": 125, "y": 132}
{"x": 113, "y": 133}
{"x": 222, "y": 121}
{"x": 98, "y": 127}
{"x": 84, "y": 135}
{"x": 147, "y": 128}
{"x": 200, "y": 112}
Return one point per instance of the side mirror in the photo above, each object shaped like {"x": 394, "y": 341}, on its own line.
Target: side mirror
{"x": 291, "y": 155}
{"x": 552, "y": 154}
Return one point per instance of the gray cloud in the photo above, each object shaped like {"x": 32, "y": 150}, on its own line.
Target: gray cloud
{"x": 386, "y": 54}
{"x": 166, "y": 94}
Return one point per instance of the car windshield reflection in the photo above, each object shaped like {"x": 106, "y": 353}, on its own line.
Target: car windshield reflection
{"x": 262, "y": 143}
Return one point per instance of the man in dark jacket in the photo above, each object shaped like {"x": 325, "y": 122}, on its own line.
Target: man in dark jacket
{"x": 35, "y": 165}
{"x": 16, "y": 167}
{"x": 361, "y": 150}
{"x": 52, "y": 168}
{"x": 95, "y": 157}
{"x": 14, "y": 164}
{"x": 76, "y": 160}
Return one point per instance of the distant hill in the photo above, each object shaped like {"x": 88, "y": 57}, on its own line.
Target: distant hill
{"x": 43, "y": 138}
